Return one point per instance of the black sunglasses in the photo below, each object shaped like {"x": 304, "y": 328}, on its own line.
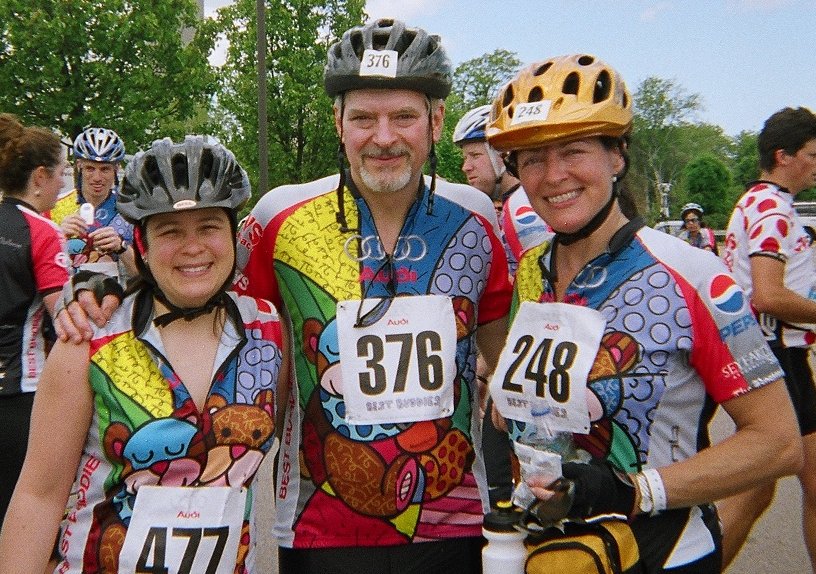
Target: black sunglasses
{"x": 379, "y": 310}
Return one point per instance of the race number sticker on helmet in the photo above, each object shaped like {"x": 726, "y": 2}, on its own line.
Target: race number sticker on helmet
{"x": 379, "y": 63}
{"x": 531, "y": 112}
{"x": 182, "y": 529}
{"x": 548, "y": 355}
{"x": 401, "y": 367}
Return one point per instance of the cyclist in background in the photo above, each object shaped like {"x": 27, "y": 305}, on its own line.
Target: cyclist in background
{"x": 98, "y": 237}
{"x": 485, "y": 170}
{"x": 693, "y": 231}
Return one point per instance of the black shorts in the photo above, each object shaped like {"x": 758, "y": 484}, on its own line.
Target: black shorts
{"x": 15, "y": 414}
{"x": 459, "y": 555}
{"x": 799, "y": 379}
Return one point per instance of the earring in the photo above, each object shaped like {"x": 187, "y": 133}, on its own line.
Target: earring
{"x": 614, "y": 178}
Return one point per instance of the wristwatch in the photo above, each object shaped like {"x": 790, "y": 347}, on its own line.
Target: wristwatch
{"x": 122, "y": 249}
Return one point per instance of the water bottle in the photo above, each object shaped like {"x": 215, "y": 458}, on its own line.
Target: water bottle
{"x": 504, "y": 552}
{"x": 541, "y": 452}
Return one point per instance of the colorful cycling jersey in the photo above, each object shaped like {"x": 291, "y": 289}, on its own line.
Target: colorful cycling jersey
{"x": 679, "y": 338}
{"x": 521, "y": 227}
{"x": 146, "y": 430}
{"x": 374, "y": 484}
{"x": 705, "y": 238}
{"x": 764, "y": 223}
{"x": 32, "y": 265}
{"x": 79, "y": 248}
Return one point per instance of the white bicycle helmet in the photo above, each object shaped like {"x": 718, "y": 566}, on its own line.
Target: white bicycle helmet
{"x": 471, "y": 128}
{"x": 99, "y": 144}
{"x": 691, "y": 207}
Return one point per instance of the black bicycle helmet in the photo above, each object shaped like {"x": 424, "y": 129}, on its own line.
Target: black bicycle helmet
{"x": 196, "y": 173}
{"x": 422, "y": 64}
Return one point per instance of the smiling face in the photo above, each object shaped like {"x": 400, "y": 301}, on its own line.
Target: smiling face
{"x": 97, "y": 179}
{"x": 387, "y": 137}
{"x": 568, "y": 183}
{"x": 190, "y": 254}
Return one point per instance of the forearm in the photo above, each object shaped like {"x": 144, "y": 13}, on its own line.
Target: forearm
{"x": 765, "y": 448}
{"x": 786, "y": 305}
{"x": 25, "y": 543}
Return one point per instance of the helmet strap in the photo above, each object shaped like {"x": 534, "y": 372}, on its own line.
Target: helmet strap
{"x": 432, "y": 160}
{"x": 341, "y": 164}
{"x": 594, "y": 223}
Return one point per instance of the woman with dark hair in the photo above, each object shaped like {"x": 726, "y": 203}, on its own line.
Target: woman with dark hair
{"x": 166, "y": 414}
{"x": 694, "y": 232}
{"x": 32, "y": 272}
{"x": 629, "y": 334}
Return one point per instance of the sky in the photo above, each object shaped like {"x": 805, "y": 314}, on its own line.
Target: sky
{"x": 746, "y": 59}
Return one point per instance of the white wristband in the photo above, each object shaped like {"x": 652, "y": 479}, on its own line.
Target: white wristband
{"x": 646, "y": 504}
{"x": 656, "y": 489}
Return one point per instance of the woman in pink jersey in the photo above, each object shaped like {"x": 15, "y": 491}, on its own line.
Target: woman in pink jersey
{"x": 32, "y": 271}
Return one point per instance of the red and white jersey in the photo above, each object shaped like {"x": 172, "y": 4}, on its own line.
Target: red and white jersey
{"x": 33, "y": 264}
{"x": 765, "y": 223}
{"x": 521, "y": 227}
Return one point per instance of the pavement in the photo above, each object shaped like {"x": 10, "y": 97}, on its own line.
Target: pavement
{"x": 775, "y": 546}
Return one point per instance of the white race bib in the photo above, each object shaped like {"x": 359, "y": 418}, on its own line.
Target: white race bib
{"x": 401, "y": 368}
{"x": 379, "y": 63}
{"x": 181, "y": 530}
{"x": 549, "y": 352}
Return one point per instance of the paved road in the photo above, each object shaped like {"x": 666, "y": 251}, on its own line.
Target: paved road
{"x": 774, "y": 547}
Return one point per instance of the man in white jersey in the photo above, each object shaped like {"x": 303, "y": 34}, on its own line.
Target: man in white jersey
{"x": 771, "y": 256}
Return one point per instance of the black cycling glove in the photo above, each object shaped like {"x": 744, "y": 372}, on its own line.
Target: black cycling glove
{"x": 599, "y": 489}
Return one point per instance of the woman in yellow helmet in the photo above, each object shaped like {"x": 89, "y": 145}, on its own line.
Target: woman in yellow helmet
{"x": 630, "y": 326}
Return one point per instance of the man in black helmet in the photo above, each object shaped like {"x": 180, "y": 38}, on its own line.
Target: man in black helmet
{"x": 386, "y": 280}
{"x": 389, "y": 281}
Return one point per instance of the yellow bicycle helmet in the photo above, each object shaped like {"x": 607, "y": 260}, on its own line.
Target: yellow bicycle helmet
{"x": 563, "y": 98}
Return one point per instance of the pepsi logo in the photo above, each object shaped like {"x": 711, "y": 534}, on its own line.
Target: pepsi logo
{"x": 725, "y": 294}
{"x": 525, "y": 215}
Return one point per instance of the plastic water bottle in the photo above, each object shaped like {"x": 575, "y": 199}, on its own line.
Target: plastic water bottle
{"x": 504, "y": 552}
{"x": 544, "y": 437}
{"x": 541, "y": 452}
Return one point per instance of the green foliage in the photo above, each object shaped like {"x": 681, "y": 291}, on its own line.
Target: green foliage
{"x": 302, "y": 141}
{"x": 708, "y": 182}
{"x": 746, "y": 158}
{"x": 112, "y": 63}
{"x": 478, "y": 80}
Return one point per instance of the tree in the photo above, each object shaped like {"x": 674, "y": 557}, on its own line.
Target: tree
{"x": 746, "y": 158}
{"x": 708, "y": 183}
{"x": 302, "y": 138}
{"x": 661, "y": 108}
{"x": 118, "y": 64}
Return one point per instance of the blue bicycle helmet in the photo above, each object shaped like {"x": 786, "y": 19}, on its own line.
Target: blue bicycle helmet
{"x": 99, "y": 144}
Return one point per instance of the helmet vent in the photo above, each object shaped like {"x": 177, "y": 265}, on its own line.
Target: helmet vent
{"x": 535, "y": 95}
{"x": 508, "y": 96}
{"x": 603, "y": 87}
{"x": 179, "y": 170}
{"x": 357, "y": 44}
{"x": 571, "y": 84}
{"x": 150, "y": 171}
{"x": 586, "y": 60}
{"x": 543, "y": 68}
{"x": 207, "y": 163}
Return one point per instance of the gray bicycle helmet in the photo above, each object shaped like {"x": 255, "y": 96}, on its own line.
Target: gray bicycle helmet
{"x": 422, "y": 64}
{"x": 99, "y": 144}
{"x": 196, "y": 173}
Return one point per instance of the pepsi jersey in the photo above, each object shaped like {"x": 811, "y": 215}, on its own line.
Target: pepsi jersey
{"x": 679, "y": 339}
{"x": 341, "y": 484}
{"x": 33, "y": 264}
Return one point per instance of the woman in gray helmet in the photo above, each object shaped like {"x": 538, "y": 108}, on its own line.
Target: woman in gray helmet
{"x": 165, "y": 415}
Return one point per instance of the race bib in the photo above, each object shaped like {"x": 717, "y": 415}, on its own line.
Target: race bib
{"x": 184, "y": 530}
{"x": 549, "y": 352}
{"x": 401, "y": 367}
{"x": 379, "y": 63}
